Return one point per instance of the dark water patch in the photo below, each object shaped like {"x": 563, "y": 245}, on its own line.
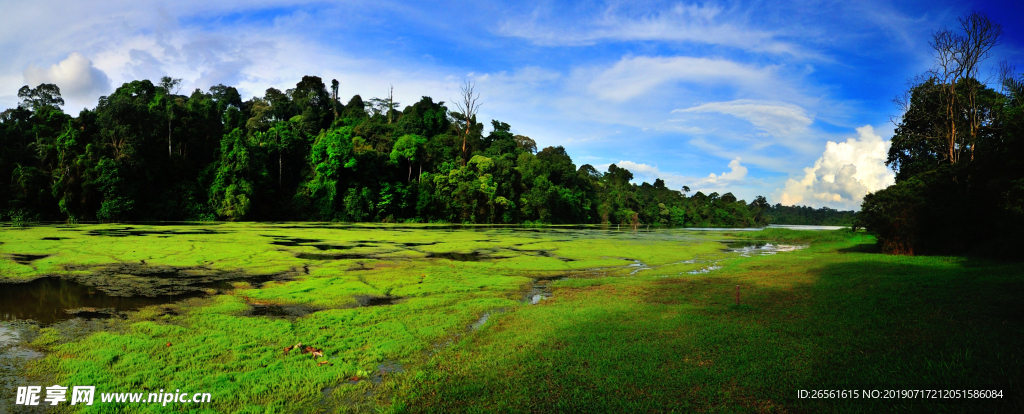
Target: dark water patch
{"x": 341, "y": 247}
{"x": 93, "y": 313}
{"x": 141, "y": 279}
{"x": 27, "y": 259}
{"x": 463, "y": 257}
{"x": 279, "y": 311}
{"x": 419, "y": 244}
{"x": 131, "y": 231}
{"x": 367, "y": 300}
{"x": 337, "y": 256}
{"x": 49, "y": 300}
{"x": 55, "y": 238}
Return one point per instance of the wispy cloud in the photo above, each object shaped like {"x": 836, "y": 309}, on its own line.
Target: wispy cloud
{"x": 776, "y": 118}
{"x": 633, "y": 76}
{"x": 702, "y": 24}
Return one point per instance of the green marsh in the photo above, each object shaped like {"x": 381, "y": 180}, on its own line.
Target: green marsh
{"x": 439, "y": 318}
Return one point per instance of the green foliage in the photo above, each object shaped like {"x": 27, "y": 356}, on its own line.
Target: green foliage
{"x": 240, "y": 170}
{"x": 147, "y": 153}
{"x": 946, "y": 205}
{"x": 803, "y": 215}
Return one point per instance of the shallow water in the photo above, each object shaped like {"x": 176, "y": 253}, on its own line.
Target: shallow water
{"x": 49, "y": 300}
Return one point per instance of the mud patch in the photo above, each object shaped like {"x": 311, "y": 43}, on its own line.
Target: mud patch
{"x": 367, "y": 300}
{"x": 279, "y": 311}
{"x": 385, "y": 369}
{"x": 358, "y": 267}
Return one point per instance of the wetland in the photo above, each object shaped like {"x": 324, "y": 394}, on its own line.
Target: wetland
{"x": 425, "y": 318}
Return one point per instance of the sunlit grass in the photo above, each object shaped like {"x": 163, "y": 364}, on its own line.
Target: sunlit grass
{"x": 648, "y": 337}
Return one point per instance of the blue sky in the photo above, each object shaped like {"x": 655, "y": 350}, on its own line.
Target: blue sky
{"x": 791, "y": 100}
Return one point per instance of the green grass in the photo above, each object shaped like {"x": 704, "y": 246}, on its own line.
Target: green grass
{"x": 831, "y": 316}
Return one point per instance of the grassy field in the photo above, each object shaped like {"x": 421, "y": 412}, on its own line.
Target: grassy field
{"x": 437, "y": 319}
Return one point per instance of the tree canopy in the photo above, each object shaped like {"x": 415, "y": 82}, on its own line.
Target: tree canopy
{"x": 147, "y": 153}
{"x": 956, "y": 153}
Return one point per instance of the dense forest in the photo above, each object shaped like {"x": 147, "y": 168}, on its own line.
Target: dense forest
{"x": 148, "y": 153}
{"x": 957, "y": 153}
{"x": 824, "y": 216}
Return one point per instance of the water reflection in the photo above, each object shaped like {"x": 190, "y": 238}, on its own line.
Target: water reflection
{"x": 48, "y": 300}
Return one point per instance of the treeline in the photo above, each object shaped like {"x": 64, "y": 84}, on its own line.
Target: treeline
{"x": 957, "y": 152}
{"x": 148, "y": 153}
{"x": 825, "y": 216}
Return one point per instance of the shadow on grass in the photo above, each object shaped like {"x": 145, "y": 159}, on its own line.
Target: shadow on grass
{"x": 856, "y": 322}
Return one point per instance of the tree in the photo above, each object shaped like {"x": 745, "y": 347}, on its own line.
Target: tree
{"x": 384, "y": 107}
{"x": 468, "y": 108}
{"x": 170, "y": 86}
{"x": 957, "y": 56}
{"x": 526, "y": 143}
{"x": 410, "y": 147}
{"x": 46, "y": 94}
{"x": 334, "y": 97}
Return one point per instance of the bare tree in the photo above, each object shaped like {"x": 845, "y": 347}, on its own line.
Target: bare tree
{"x": 957, "y": 57}
{"x": 468, "y": 107}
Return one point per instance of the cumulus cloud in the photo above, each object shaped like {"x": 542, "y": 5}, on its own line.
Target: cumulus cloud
{"x": 844, "y": 174}
{"x": 776, "y": 118}
{"x": 77, "y": 78}
{"x": 736, "y": 172}
{"x": 726, "y": 181}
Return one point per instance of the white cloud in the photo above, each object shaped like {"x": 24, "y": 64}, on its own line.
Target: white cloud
{"x": 736, "y": 172}
{"x": 631, "y": 77}
{"x": 702, "y": 24}
{"x": 76, "y": 77}
{"x": 726, "y": 181}
{"x": 844, "y": 174}
{"x": 779, "y": 119}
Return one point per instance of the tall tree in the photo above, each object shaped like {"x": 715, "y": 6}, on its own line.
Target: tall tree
{"x": 170, "y": 86}
{"x": 468, "y": 107}
{"x": 46, "y": 94}
{"x": 957, "y": 57}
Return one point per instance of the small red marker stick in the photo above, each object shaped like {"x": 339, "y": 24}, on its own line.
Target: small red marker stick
{"x": 737, "y": 295}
